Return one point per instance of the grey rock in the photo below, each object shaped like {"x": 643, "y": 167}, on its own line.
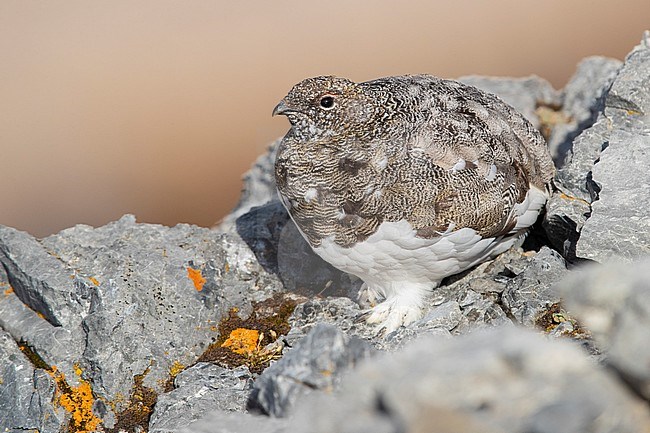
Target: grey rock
{"x": 58, "y": 346}
{"x": 582, "y": 100}
{"x": 4, "y": 279}
{"x": 125, "y": 300}
{"x": 341, "y": 312}
{"x": 440, "y": 320}
{"x": 338, "y": 311}
{"x": 235, "y": 422}
{"x": 315, "y": 363}
{"x": 515, "y": 285}
{"x": 502, "y": 379}
{"x": 618, "y": 226}
{"x": 281, "y": 249}
{"x": 606, "y": 158}
{"x": 524, "y": 94}
{"x": 26, "y": 393}
{"x": 528, "y": 295}
{"x": 478, "y": 293}
{"x": 200, "y": 389}
{"x": 42, "y": 281}
{"x": 627, "y": 85}
{"x": 258, "y": 187}
{"x": 563, "y": 221}
{"x": 480, "y": 311}
{"x": 613, "y": 302}
{"x": 446, "y": 316}
{"x": 575, "y": 177}
{"x": 629, "y": 91}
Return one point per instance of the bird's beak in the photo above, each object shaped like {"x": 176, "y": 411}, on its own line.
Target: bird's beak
{"x": 281, "y": 108}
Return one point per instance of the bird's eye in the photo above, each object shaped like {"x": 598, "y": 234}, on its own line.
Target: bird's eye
{"x": 327, "y": 102}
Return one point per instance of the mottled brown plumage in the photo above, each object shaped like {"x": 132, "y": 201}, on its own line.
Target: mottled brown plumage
{"x": 435, "y": 156}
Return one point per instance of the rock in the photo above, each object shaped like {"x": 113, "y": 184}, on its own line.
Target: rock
{"x": 575, "y": 177}
{"x": 600, "y": 158}
{"x": 26, "y": 394}
{"x": 582, "y": 100}
{"x": 200, "y": 389}
{"x": 315, "y": 363}
{"x": 280, "y": 248}
{"x": 115, "y": 309}
{"x": 613, "y": 302}
{"x": 514, "y": 286}
{"x": 341, "y": 312}
{"x": 4, "y": 279}
{"x": 440, "y": 320}
{"x": 524, "y": 94}
{"x": 444, "y": 316}
{"x": 258, "y": 187}
{"x": 499, "y": 380}
{"x": 528, "y": 295}
{"x": 618, "y": 225}
{"x": 235, "y": 422}
{"x": 42, "y": 281}
{"x": 30, "y": 272}
{"x": 260, "y": 228}
{"x": 563, "y": 221}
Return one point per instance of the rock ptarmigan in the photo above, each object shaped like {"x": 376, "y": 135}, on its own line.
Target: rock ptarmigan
{"x": 403, "y": 181}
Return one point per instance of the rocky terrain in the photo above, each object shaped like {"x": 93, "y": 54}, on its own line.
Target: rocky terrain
{"x": 139, "y": 327}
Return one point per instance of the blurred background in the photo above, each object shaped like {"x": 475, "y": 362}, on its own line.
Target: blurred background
{"x": 157, "y": 107}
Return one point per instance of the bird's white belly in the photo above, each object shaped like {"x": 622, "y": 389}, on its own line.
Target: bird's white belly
{"x": 393, "y": 254}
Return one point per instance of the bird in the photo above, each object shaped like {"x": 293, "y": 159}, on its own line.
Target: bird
{"x": 405, "y": 180}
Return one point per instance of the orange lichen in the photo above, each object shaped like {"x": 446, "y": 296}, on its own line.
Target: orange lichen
{"x": 196, "y": 277}
{"x": 568, "y": 197}
{"x": 242, "y": 341}
{"x": 94, "y": 281}
{"x": 77, "y": 401}
{"x": 9, "y": 291}
{"x": 252, "y": 341}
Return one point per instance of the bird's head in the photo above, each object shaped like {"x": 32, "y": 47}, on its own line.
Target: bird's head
{"x": 328, "y": 107}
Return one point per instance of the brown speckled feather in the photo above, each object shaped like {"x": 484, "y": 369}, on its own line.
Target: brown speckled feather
{"x": 437, "y": 153}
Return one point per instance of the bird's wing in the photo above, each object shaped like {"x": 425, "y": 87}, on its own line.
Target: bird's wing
{"x": 484, "y": 146}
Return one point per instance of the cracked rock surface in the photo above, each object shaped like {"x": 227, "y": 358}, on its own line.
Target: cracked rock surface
{"x": 242, "y": 328}
{"x": 104, "y": 306}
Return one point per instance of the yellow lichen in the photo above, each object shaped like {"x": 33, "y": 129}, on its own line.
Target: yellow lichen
{"x": 94, "y": 281}
{"x": 176, "y": 368}
{"x": 243, "y": 341}
{"x": 76, "y": 400}
{"x": 196, "y": 277}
